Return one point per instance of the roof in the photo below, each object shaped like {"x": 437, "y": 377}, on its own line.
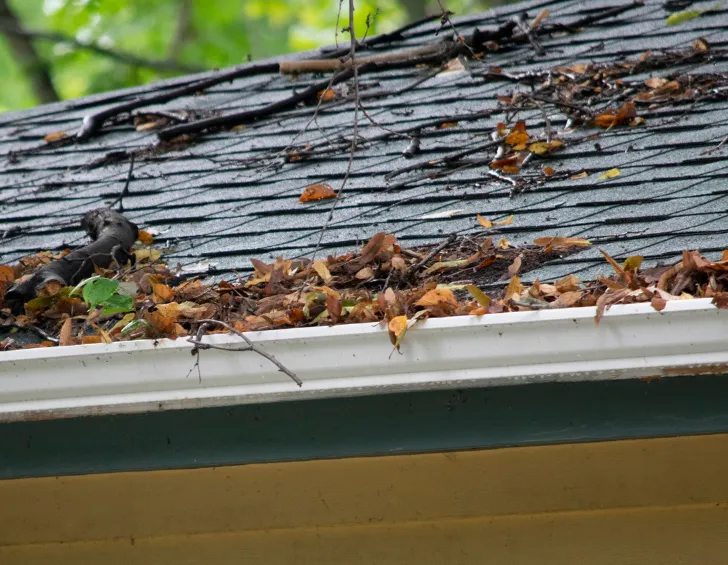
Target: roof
{"x": 232, "y": 195}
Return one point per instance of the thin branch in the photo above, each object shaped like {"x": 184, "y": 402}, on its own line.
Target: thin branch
{"x": 125, "y": 190}
{"x": 417, "y": 266}
{"x": 8, "y": 28}
{"x": 196, "y": 340}
{"x": 34, "y": 67}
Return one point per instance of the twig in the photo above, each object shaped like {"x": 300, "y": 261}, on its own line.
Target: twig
{"x": 33, "y": 329}
{"x": 716, "y": 148}
{"x": 247, "y": 116}
{"x": 120, "y": 56}
{"x": 529, "y": 33}
{"x": 500, "y": 177}
{"x": 92, "y": 123}
{"x": 445, "y": 19}
{"x": 125, "y": 190}
{"x": 417, "y": 266}
{"x": 199, "y": 344}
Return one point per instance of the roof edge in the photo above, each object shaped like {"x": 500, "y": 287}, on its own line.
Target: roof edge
{"x": 632, "y": 341}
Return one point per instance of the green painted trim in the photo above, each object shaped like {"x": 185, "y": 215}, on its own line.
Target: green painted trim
{"x": 374, "y": 425}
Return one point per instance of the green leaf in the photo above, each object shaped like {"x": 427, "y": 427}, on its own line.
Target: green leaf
{"x": 98, "y": 290}
{"x": 117, "y": 303}
{"x": 682, "y": 17}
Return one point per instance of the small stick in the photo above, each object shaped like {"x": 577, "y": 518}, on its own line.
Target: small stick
{"x": 33, "y": 329}
{"x": 501, "y": 177}
{"x": 450, "y": 239}
{"x": 250, "y": 347}
{"x": 125, "y": 190}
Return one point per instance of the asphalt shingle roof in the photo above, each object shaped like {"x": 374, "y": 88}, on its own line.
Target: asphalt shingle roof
{"x": 230, "y": 195}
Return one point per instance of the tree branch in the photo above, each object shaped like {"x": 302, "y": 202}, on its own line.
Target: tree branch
{"x": 13, "y": 29}
{"x": 34, "y": 68}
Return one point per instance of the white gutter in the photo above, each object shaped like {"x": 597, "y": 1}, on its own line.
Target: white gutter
{"x": 632, "y": 341}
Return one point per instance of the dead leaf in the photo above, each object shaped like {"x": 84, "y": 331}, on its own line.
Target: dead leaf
{"x": 567, "y": 299}
{"x": 145, "y": 237}
{"x": 55, "y": 136}
{"x": 610, "y": 174}
{"x": 560, "y": 242}
{"x": 438, "y": 297}
{"x": 438, "y": 215}
{"x": 606, "y": 300}
{"x": 326, "y": 95}
{"x": 481, "y": 298}
{"x": 448, "y": 125}
{"x": 517, "y": 139}
{"x": 548, "y": 171}
{"x": 398, "y": 325}
{"x": 487, "y": 224}
{"x": 440, "y": 265}
{"x": 322, "y": 270}
{"x": 541, "y": 147}
{"x": 319, "y": 191}
{"x": 65, "y": 337}
{"x": 507, "y": 221}
{"x": 514, "y": 288}
{"x": 579, "y": 176}
{"x": 373, "y": 247}
{"x": 701, "y": 44}
{"x": 503, "y": 243}
{"x": 658, "y": 303}
{"x": 365, "y": 274}
{"x": 656, "y": 82}
{"x": 632, "y": 263}
{"x": 6, "y": 273}
{"x": 514, "y": 267}
{"x": 162, "y": 293}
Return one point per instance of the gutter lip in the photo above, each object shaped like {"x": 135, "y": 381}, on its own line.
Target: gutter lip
{"x": 561, "y": 345}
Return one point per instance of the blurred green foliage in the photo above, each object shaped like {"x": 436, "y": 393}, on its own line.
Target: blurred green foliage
{"x": 203, "y": 34}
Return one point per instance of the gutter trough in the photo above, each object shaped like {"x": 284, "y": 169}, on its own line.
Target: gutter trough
{"x": 689, "y": 337}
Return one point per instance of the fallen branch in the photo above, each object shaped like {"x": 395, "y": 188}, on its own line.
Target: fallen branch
{"x": 112, "y": 236}
{"x": 250, "y": 346}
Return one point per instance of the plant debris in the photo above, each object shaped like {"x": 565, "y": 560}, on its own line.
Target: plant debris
{"x": 381, "y": 282}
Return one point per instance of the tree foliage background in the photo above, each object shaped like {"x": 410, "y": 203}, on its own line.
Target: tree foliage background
{"x": 58, "y": 49}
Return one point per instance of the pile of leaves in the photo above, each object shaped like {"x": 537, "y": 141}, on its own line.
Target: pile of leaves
{"x": 381, "y": 282}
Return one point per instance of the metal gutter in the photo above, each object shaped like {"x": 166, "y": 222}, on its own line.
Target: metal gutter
{"x": 633, "y": 341}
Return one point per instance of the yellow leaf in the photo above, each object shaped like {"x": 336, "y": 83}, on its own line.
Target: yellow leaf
{"x": 482, "y": 298}
{"x": 503, "y": 243}
{"x": 145, "y": 237}
{"x": 517, "y": 138}
{"x": 610, "y": 174}
{"x": 323, "y": 271}
{"x": 440, "y": 265}
{"x": 632, "y": 263}
{"x": 579, "y": 176}
{"x": 437, "y": 297}
{"x": 507, "y": 221}
{"x": 483, "y": 222}
{"x": 514, "y": 287}
{"x": 398, "y": 325}
{"x": 147, "y": 255}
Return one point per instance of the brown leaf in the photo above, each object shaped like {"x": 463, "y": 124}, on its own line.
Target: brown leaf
{"x": 373, "y": 247}
{"x": 701, "y": 44}
{"x": 568, "y": 283}
{"x": 560, "y": 242}
{"x": 66, "y": 337}
{"x": 365, "y": 274}
{"x": 514, "y": 287}
{"x": 85, "y": 340}
{"x": 448, "y": 125}
{"x": 6, "y": 273}
{"x": 579, "y": 176}
{"x": 162, "y": 293}
{"x": 617, "y": 268}
{"x": 315, "y": 192}
{"x": 658, "y": 303}
{"x": 322, "y": 270}
{"x": 548, "y": 171}
{"x": 507, "y": 221}
{"x": 606, "y": 300}
{"x": 567, "y": 299}
{"x": 656, "y": 82}
{"x": 515, "y": 266}
{"x": 721, "y": 300}
{"x": 335, "y": 306}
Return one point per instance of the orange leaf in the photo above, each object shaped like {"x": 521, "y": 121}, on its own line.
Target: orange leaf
{"x": 517, "y": 138}
{"x": 55, "y": 136}
{"x": 626, "y": 112}
{"x": 550, "y": 242}
{"x": 548, "y": 171}
{"x": 448, "y": 125}
{"x": 487, "y": 224}
{"x": 397, "y": 325}
{"x": 145, "y": 237}
{"x": 437, "y": 297}
{"x": 326, "y": 95}
{"x": 85, "y": 340}
{"x": 315, "y": 192}
{"x": 507, "y": 221}
{"x": 6, "y": 273}
{"x": 520, "y": 126}
{"x": 656, "y": 82}
{"x": 162, "y": 293}
{"x": 579, "y": 176}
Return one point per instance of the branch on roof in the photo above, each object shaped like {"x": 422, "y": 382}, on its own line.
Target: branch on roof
{"x": 23, "y": 50}
{"x": 9, "y": 28}
{"x": 321, "y": 65}
{"x": 112, "y": 236}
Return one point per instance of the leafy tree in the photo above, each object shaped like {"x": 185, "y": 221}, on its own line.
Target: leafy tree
{"x": 56, "y": 49}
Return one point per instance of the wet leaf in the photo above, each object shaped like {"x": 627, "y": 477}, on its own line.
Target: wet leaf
{"x": 610, "y": 174}
{"x": 117, "y": 303}
{"x": 320, "y": 191}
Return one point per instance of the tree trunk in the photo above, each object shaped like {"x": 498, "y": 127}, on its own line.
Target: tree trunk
{"x": 34, "y": 68}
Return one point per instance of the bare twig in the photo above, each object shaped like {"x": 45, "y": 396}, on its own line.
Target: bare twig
{"x": 250, "y": 346}
{"x": 125, "y": 190}
{"x": 417, "y": 266}
{"x": 499, "y": 176}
